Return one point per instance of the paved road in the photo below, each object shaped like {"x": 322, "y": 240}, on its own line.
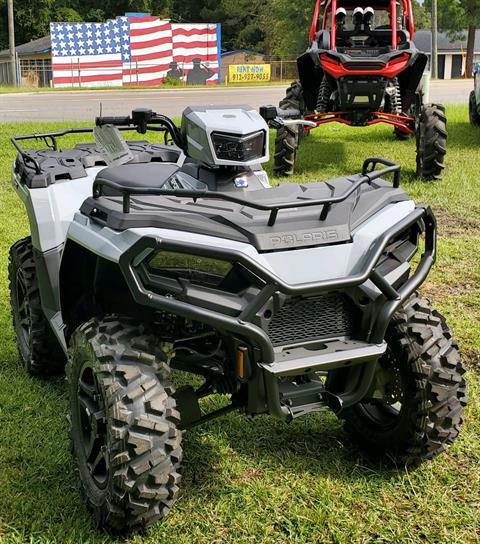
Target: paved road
{"x": 85, "y": 105}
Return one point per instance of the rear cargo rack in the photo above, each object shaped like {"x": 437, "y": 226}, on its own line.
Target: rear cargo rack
{"x": 50, "y": 140}
{"x": 369, "y": 173}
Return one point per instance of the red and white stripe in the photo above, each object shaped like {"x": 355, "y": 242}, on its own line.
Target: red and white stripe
{"x": 192, "y": 41}
{"x": 88, "y": 71}
{"x": 151, "y": 51}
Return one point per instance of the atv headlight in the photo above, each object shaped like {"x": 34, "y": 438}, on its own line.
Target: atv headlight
{"x": 229, "y": 147}
{"x": 193, "y": 268}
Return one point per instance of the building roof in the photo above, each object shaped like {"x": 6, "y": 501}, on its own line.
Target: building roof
{"x": 423, "y": 40}
{"x": 42, "y": 45}
{"x": 239, "y": 51}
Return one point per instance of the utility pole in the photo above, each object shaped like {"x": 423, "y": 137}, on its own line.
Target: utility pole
{"x": 11, "y": 43}
{"x": 434, "y": 61}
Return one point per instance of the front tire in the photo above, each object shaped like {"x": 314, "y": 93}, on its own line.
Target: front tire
{"x": 288, "y": 138}
{"x": 123, "y": 424}
{"x": 473, "y": 110}
{"x": 420, "y": 410}
{"x": 431, "y": 137}
{"x": 39, "y": 350}
{"x": 286, "y": 145}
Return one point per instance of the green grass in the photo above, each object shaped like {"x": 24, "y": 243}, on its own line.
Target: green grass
{"x": 264, "y": 481}
{"x": 8, "y": 89}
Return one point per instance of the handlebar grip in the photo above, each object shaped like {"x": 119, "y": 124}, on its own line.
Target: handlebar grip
{"x": 117, "y": 121}
{"x": 270, "y": 113}
{"x": 289, "y": 114}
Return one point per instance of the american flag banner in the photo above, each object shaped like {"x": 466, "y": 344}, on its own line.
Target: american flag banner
{"x": 199, "y": 43}
{"x": 88, "y": 54}
{"x": 134, "y": 51}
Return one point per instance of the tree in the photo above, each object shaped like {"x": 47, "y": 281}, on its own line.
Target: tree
{"x": 66, "y": 15}
{"x": 242, "y": 22}
{"x": 289, "y": 24}
{"x": 472, "y": 15}
{"x": 456, "y": 16}
{"x": 421, "y": 16}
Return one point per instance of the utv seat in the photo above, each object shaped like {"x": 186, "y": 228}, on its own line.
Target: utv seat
{"x": 148, "y": 175}
{"x": 383, "y": 37}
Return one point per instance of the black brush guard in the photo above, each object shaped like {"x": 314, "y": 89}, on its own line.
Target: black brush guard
{"x": 362, "y": 355}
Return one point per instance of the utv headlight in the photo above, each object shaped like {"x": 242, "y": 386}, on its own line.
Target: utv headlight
{"x": 193, "y": 268}
{"x": 229, "y": 147}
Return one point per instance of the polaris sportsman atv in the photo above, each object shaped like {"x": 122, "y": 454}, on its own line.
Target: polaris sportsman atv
{"x": 362, "y": 68}
{"x": 474, "y": 102}
{"x": 288, "y": 301}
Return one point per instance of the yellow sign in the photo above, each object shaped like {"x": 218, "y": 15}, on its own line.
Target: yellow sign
{"x": 249, "y": 72}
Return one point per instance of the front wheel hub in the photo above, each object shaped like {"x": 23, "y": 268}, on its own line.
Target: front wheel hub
{"x": 91, "y": 410}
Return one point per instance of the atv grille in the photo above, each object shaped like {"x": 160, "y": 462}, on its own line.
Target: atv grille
{"x": 303, "y": 320}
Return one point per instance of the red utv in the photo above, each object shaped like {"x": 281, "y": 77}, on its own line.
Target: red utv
{"x": 362, "y": 68}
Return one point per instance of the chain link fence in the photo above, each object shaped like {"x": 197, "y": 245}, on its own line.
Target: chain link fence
{"x": 5, "y": 73}
{"x": 38, "y": 73}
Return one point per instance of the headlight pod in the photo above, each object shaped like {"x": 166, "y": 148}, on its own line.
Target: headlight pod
{"x": 239, "y": 149}
{"x": 193, "y": 268}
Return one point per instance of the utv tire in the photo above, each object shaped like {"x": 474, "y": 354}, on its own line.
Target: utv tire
{"x": 39, "y": 350}
{"x": 286, "y": 145}
{"x": 401, "y": 136}
{"x": 431, "y": 142}
{"x": 473, "y": 110}
{"x": 123, "y": 424}
{"x": 289, "y": 137}
{"x": 427, "y": 373}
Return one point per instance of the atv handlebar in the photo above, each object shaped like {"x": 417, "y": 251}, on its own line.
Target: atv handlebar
{"x": 116, "y": 121}
{"x": 143, "y": 119}
{"x": 279, "y": 117}
{"x": 271, "y": 113}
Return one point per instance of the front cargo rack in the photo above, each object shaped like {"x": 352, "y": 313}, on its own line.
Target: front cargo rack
{"x": 368, "y": 174}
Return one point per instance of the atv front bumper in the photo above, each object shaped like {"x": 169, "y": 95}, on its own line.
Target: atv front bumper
{"x": 275, "y": 364}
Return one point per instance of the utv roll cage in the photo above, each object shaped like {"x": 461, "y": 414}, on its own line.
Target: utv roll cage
{"x": 329, "y": 8}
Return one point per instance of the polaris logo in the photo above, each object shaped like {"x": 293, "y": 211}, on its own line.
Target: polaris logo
{"x": 329, "y": 235}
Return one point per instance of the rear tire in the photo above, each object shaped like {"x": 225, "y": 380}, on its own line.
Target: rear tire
{"x": 431, "y": 142}
{"x": 288, "y": 138}
{"x": 422, "y": 367}
{"x": 123, "y": 424}
{"x": 37, "y": 345}
{"x": 401, "y": 136}
{"x": 473, "y": 110}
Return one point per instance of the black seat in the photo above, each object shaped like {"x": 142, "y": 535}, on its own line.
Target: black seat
{"x": 151, "y": 175}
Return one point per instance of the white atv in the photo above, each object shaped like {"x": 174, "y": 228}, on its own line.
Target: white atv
{"x": 287, "y": 300}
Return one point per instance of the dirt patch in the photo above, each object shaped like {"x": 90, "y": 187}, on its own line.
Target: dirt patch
{"x": 249, "y": 475}
{"x": 471, "y": 358}
{"x": 436, "y": 291}
{"x": 450, "y": 225}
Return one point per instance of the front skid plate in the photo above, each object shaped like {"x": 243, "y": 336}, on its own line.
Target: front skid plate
{"x": 333, "y": 354}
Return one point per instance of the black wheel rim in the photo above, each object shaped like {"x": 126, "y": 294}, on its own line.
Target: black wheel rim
{"x": 23, "y": 316}
{"x": 93, "y": 426}
{"x": 385, "y": 412}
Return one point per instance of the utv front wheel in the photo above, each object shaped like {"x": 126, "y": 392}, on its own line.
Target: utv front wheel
{"x": 431, "y": 142}
{"x": 473, "y": 110}
{"x": 289, "y": 137}
{"x": 39, "y": 350}
{"x": 123, "y": 424}
{"x": 286, "y": 145}
{"x": 417, "y": 407}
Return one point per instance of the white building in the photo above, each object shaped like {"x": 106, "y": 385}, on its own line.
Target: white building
{"x": 451, "y": 53}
